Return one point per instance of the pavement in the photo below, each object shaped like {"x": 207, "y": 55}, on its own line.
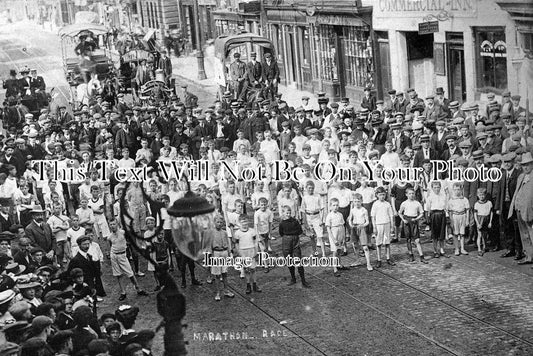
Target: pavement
{"x": 465, "y": 305}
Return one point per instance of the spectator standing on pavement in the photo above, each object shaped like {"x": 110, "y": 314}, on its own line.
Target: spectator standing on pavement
{"x": 522, "y": 204}
{"x": 483, "y": 218}
{"x": 383, "y": 222}
{"x": 165, "y": 64}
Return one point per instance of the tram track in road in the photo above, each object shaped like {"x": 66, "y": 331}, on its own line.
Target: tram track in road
{"x": 459, "y": 315}
{"x": 237, "y": 291}
{"x": 27, "y": 59}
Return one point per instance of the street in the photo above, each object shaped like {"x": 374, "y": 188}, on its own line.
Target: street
{"x": 462, "y": 305}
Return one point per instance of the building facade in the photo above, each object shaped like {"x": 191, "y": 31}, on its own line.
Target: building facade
{"x": 324, "y": 46}
{"x": 467, "y": 47}
{"x": 233, "y": 16}
{"x": 161, "y": 15}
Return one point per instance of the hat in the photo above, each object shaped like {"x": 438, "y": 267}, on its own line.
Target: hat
{"x": 491, "y": 96}
{"x": 18, "y": 327}
{"x": 81, "y": 239}
{"x": 9, "y": 348}
{"x": 26, "y": 284}
{"x": 145, "y": 335}
{"x": 98, "y": 346}
{"x": 379, "y": 102}
{"x": 431, "y": 96}
{"x": 36, "y": 249}
{"x": 417, "y": 125}
{"x": 506, "y": 93}
{"x": 236, "y": 55}
{"x": 526, "y": 158}
{"x": 59, "y": 338}
{"x": 440, "y": 123}
{"x": 6, "y": 296}
{"x": 392, "y": 92}
{"x": 453, "y": 105}
{"x": 344, "y": 100}
{"x": 465, "y": 144}
{"x": 6, "y": 235}
{"x": 481, "y": 136}
{"x": 395, "y": 126}
{"x": 495, "y": 158}
{"x": 334, "y": 105}
{"x": 40, "y": 322}
{"x": 451, "y": 137}
{"x": 15, "y": 268}
{"x": 424, "y": 138}
{"x": 478, "y": 154}
{"x": 515, "y": 97}
{"x": 439, "y": 91}
{"x": 508, "y": 157}
{"x": 36, "y": 209}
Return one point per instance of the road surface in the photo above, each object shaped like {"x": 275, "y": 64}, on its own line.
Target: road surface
{"x": 465, "y": 305}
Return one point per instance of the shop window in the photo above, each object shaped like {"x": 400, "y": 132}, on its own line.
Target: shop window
{"x": 359, "y": 63}
{"x": 491, "y": 63}
{"x": 328, "y": 52}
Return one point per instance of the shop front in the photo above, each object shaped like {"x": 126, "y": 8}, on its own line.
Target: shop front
{"x": 328, "y": 48}
{"x": 461, "y": 45}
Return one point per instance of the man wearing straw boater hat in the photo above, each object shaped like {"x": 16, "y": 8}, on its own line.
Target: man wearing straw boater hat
{"x": 522, "y": 203}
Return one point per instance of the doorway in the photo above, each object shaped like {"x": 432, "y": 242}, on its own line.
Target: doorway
{"x": 291, "y": 58}
{"x": 456, "y": 66}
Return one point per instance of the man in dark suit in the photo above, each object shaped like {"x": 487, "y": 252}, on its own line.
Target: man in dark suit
{"x": 84, "y": 261}
{"x": 300, "y": 120}
{"x": 255, "y": 71}
{"x": 399, "y": 140}
{"x": 441, "y": 100}
{"x": 37, "y": 84}
{"x": 452, "y": 148}
{"x": 124, "y": 137}
{"x": 270, "y": 75}
{"x": 200, "y": 135}
{"x": 165, "y": 64}
{"x": 23, "y": 256}
{"x": 522, "y": 205}
{"x": 12, "y": 85}
{"x": 369, "y": 100}
{"x": 425, "y": 152}
{"x": 511, "y": 238}
{"x": 40, "y": 233}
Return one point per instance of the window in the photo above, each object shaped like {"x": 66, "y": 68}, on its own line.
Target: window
{"x": 527, "y": 41}
{"x": 491, "y": 53}
{"x": 419, "y": 46}
{"x": 359, "y": 64}
{"x": 327, "y": 52}
{"x": 306, "y": 46}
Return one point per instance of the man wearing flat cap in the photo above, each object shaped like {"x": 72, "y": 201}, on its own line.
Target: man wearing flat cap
{"x": 84, "y": 261}
{"x": 238, "y": 75}
{"x": 516, "y": 110}
{"x": 270, "y": 75}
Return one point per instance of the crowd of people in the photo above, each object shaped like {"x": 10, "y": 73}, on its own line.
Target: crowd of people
{"x": 58, "y": 235}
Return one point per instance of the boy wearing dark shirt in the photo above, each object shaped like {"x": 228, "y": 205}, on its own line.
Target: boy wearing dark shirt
{"x": 290, "y": 230}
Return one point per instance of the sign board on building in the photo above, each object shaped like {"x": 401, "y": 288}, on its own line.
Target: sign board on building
{"x": 415, "y": 8}
{"x": 425, "y": 28}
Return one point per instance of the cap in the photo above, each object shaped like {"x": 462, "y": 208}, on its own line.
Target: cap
{"x": 431, "y": 96}
{"x": 424, "y": 138}
{"x": 465, "y": 144}
{"x": 334, "y": 105}
{"x": 508, "y": 157}
{"x": 451, "y": 137}
{"x": 481, "y": 136}
{"x": 439, "y": 91}
{"x": 478, "y": 154}
{"x": 40, "y": 322}
{"x": 515, "y": 97}
{"x": 440, "y": 123}
{"x": 392, "y": 92}
{"x": 236, "y": 55}
{"x": 453, "y": 105}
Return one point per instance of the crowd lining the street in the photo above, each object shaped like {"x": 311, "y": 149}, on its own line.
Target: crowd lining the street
{"x": 56, "y": 235}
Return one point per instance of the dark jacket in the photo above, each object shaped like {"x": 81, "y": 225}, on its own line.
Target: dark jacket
{"x": 89, "y": 268}
{"x": 270, "y": 72}
{"x": 41, "y": 236}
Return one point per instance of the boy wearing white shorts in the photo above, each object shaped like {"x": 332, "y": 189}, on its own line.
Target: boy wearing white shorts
{"x": 120, "y": 265}
{"x": 312, "y": 209}
{"x": 383, "y": 220}
{"x": 220, "y": 251}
